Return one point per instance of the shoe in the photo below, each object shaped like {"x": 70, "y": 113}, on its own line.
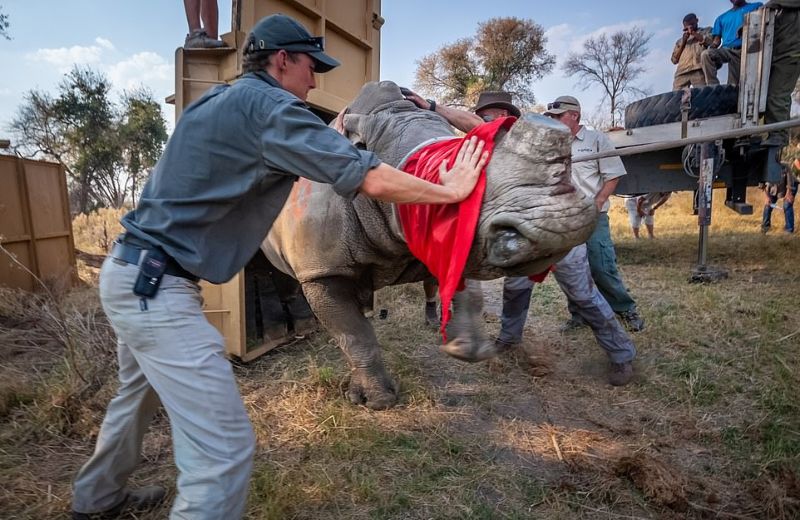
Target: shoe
{"x": 432, "y": 315}
{"x": 505, "y": 346}
{"x": 574, "y": 323}
{"x": 135, "y": 500}
{"x": 765, "y": 229}
{"x": 631, "y": 320}
{"x": 198, "y": 39}
{"x": 620, "y": 374}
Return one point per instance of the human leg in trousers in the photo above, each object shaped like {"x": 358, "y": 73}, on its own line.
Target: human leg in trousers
{"x": 695, "y": 78}
{"x": 783, "y": 73}
{"x": 181, "y": 356}
{"x": 517, "y": 292}
{"x": 603, "y": 262}
{"x": 574, "y": 277}
{"x": 713, "y": 59}
{"x": 788, "y": 209}
{"x": 100, "y": 484}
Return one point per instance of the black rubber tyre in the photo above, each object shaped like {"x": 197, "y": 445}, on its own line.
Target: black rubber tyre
{"x": 716, "y": 100}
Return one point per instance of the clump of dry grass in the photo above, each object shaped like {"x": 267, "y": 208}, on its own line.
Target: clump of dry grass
{"x": 95, "y": 232}
{"x": 59, "y": 354}
{"x": 655, "y": 479}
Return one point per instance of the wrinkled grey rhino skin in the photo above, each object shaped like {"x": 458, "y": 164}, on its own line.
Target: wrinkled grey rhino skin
{"x": 341, "y": 251}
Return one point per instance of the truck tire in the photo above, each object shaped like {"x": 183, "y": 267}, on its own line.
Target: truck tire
{"x": 709, "y": 101}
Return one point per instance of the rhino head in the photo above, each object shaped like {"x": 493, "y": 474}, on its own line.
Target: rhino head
{"x": 531, "y": 214}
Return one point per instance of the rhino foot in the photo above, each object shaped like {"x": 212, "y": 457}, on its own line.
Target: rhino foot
{"x": 469, "y": 351}
{"x": 374, "y": 392}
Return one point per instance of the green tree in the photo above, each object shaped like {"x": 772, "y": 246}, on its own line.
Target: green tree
{"x": 505, "y": 54}
{"x": 107, "y": 149}
{"x": 614, "y": 62}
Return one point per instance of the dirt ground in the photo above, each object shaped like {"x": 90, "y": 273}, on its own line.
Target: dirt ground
{"x": 710, "y": 428}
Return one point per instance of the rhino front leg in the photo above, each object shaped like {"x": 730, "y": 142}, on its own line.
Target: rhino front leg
{"x": 466, "y": 331}
{"x": 335, "y": 302}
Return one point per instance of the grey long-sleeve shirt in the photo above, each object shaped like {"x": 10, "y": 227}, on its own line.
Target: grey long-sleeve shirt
{"x": 227, "y": 171}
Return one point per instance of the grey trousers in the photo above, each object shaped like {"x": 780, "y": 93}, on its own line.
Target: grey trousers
{"x": 713, "y": 59}
{"x": 575, "y": 279}
{"x": 169, "y": 354}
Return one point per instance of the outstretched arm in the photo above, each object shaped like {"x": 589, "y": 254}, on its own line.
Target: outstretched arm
{"x": 392, "y": 185}
{"x": 460, "y": 119}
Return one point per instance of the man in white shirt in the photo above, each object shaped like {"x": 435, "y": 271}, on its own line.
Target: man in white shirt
{"x": 597, "y": 179}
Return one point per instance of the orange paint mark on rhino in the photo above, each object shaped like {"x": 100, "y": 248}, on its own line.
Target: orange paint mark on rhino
{"x": 300, "y": 197}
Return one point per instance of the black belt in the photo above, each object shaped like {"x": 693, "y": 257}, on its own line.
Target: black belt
{"x": 129, "y": 249}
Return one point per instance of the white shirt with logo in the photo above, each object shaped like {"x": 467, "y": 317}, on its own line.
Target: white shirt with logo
{"x": 589, "y": 176}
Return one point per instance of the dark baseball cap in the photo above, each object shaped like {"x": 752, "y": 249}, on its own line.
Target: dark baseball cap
{"x": 281, "y": 32}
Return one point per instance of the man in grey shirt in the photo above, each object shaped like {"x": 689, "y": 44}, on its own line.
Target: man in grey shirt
{"x": 224, "y": 176}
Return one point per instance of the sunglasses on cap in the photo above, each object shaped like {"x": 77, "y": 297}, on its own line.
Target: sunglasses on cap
{"x": 314, "y": 41}
{"x": 560, "y": 104}
{"x": 318, "y": 42}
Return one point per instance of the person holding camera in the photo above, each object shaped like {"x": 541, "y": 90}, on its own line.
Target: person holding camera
{"x": 688, "y": 52}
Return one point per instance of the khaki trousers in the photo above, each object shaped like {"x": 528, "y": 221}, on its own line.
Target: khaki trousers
{"x": 169, "y": 353}
{"x": 693, "y": 78}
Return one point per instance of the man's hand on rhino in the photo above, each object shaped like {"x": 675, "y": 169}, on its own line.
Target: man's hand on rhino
{"x": 415, "y": 98}
{"x": 467, "y": 167}
{"x": 338, "y": 123}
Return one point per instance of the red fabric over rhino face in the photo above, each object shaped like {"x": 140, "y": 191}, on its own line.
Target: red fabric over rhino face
{"x": 440, "y": 235}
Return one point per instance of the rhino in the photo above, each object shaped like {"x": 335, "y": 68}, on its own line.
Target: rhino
{"x": 341, "y": 251}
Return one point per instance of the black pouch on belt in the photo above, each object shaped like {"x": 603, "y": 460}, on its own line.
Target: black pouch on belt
{"x": 151, "y": 270}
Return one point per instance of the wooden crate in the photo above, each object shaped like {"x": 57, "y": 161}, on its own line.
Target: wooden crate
{"x": 35, "y": 223}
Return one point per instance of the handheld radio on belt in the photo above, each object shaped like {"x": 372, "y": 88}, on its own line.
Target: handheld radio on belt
{"x": 151, "y": 270}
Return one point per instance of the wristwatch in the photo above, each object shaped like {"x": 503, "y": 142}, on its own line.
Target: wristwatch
{"x": 432, "y": 104}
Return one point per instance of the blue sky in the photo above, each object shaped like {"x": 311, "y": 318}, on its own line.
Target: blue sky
{"x": 133, "y": 43}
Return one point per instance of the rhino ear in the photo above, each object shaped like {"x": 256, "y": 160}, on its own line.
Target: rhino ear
{"x": 353, "y": 126}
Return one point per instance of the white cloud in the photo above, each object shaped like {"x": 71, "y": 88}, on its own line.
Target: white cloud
{"x": 63, "y": 59}
{"x": 144, "y": 68}
{"x": 106, "y": 44}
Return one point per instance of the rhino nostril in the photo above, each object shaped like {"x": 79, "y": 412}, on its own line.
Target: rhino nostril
{"x": 508, "y": 242}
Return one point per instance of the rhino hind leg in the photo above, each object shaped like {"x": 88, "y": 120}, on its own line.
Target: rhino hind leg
{"x": 466, "y": 332}
{"x": 337, "y": 305}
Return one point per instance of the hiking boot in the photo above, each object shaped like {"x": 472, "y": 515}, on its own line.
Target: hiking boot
{"x": 631, "y": 320}
{"x": 135, "y": 500}
{"x": 573, "y": 323}
{"x": 505, "y": 346}
{"x": 198, "y": 39}
{"x": 432, "y": 315}
{"x": 620, "y": 374}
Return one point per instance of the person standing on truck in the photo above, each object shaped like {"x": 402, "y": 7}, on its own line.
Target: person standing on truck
{"x": 597, "y": 180}
{"x": 726, "y": 44}
{"x": 203, "y": 18}
{"x": 785, "y": 67}
{"x": 223, "y": 178}
{"x": 687, "y": 54}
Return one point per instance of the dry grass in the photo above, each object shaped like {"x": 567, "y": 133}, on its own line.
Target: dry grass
{"x": 709, "y": 429}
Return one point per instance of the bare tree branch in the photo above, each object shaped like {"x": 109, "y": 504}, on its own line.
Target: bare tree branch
{"x": 614, "y": 62}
